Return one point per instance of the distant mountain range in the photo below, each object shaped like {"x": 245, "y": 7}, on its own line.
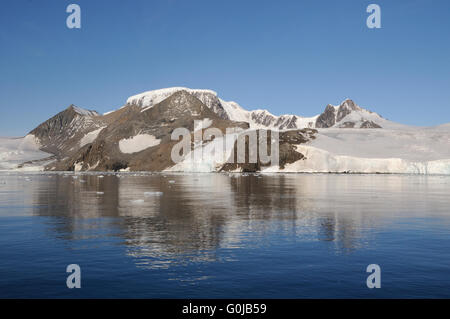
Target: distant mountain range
{"x": 137, "y": 137}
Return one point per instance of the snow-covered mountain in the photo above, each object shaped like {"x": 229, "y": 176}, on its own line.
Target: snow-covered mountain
{"x": 137, "y": 136}
{"x": 345, "y": 115}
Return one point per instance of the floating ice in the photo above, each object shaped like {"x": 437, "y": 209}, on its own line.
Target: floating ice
{"x": 153, "y": 193}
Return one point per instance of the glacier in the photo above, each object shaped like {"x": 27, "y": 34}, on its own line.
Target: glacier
{"x": 15, "y": 151}
{"x": 408, "y": 151}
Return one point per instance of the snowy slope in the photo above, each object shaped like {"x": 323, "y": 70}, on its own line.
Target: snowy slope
{"x": 90, "y": 137}
{"x": 235, "y": 111}
{"x": 414, "y": 151}
{"x": 360, "y": 116}
{"x": 442, "y": 128}
{"x": 15, "y": 151}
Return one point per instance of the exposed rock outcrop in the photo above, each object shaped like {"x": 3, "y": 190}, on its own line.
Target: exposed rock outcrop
{"x": 287, "y": 151}
{"x": 60, "y": 134}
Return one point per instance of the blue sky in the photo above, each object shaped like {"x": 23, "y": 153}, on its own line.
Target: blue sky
{"x": 286, "y": 56}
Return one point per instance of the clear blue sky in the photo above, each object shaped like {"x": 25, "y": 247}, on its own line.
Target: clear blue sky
{"x": 286, "y": 56}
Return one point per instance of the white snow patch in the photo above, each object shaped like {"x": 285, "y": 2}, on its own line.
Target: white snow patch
{"x": 90, "y": 137}
{"x": 94, "y": 166}
{"x": 78, "y": 167}
{"x": 138, "y": 143}
{"x": 202, "y": 124}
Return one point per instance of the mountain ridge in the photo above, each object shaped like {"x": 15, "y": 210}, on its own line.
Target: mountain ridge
{"x": 263, "y": 118}
{"x": 137, "y": 137}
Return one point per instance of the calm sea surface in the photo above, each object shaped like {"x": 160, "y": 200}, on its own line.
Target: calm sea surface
{"x": 229, "y": 236}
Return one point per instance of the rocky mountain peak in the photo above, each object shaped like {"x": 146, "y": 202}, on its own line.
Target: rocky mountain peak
{"x": 181, "y": 104}
{"x": 345, "y": 109}
{"x": 149, "y": 99}
{"x": 81, "y": 111}
{"x": 327, "y": 118}
{"x": 56, "y": 131}
{"x": 348, "y": 115}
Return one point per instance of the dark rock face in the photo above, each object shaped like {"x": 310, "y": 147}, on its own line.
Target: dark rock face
{"x": 61, "y": 133}
{"x": 263, "y": 118}
{"x": 283, "y": 122}
{"x": 332, "y": 116}
{"x": 369, "y": 124}
{"x": 347, "y": 125}
{"x": 287, "y": 123}
{"x": 288, "y": 154}
{"x": 327, "y": 118}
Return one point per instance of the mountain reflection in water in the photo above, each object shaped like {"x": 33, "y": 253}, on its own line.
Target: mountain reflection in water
{"x": 163, "y": 221}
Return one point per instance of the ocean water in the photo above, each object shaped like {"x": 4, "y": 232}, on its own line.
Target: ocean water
{"x": 224, "y": 236}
